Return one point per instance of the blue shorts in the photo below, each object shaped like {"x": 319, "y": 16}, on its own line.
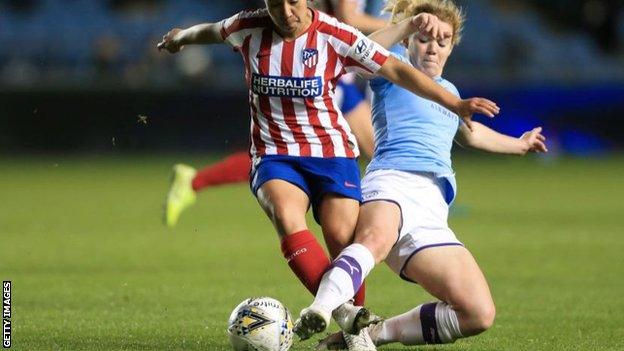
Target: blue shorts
{"x": 349, "y": 96}
{"x": 316, "y": 176}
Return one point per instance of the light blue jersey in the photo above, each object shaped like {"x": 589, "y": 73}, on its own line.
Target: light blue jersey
{"x": 412, "y": 133}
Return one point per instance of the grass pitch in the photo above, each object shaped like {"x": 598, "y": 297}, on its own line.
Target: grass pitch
{"x": 93, "y": 268}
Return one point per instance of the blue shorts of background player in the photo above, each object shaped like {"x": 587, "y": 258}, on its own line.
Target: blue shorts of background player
{"x": 316, "y": 176}
{"x": 349, "y": 96}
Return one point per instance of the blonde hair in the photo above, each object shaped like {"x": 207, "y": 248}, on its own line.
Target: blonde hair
{"x": 445, "y": 10}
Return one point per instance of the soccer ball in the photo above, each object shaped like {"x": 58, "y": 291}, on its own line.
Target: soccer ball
{"x": 260, "y": 324}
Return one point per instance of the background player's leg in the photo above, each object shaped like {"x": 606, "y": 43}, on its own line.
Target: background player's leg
{"x": 286, "y": 205}
{"x": 180, "y": 195}
{"x": 232, "y": 169}
{"x": 359, "y": 119}
{"x": 186, "y": 181}
{"x": 451, "y": 274}
{"x": 338, "y": 216}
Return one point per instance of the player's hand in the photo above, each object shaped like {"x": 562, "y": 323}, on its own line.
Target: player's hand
{"x": 534, "y": 140}
{"x": 171, "y": 41}
{"x": 468, "y": 107}
{"x": 429, "y": 25}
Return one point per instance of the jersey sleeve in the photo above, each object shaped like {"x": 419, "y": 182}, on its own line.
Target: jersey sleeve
{"x": 380, "y": 80}
{"x": 234, "y": 29}
{"x": 451, "y": 88}
{"x": 228, "y": 31}
{"x": 365, "y": 56}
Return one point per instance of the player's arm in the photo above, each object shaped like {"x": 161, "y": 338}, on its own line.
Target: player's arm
{"x": 346, "y": 11}
{"x": 486, "y": 139}
{"x": 423, "y": 23}
{"x": 205, "y": 33}
{"x": 420, "y": 84}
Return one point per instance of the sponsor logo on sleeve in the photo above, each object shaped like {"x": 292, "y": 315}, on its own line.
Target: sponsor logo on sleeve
{"x": 364, "y": 50}
{"x": 361, "y": 47}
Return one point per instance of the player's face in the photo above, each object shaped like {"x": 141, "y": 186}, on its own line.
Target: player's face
{"x": 290, "y": 16}
{"x": 429, "y": 55}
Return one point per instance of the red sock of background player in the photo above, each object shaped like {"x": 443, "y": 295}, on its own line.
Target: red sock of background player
{"x": 360, "y": 296}
{"x": 233, "y": 169}
{"x": 308, "y": 261}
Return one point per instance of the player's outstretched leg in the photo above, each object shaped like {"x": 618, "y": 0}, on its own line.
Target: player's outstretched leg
{"x": 180, "y": 195}
{"x": 430, "y": 323}
{"x": 350, "y": 268}
{"x": 451, "y": 274}
{"x": 338, "y": 285}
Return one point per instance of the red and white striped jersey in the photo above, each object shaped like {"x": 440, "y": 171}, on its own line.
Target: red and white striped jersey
{"x": 291, "y": 83}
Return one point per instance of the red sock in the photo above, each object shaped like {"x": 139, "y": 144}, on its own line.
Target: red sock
{"x": 306, "y": 258}
{"x": 233, "y": 169}
{"x": 360, "y": 296}
{"x": 309, "y": 262}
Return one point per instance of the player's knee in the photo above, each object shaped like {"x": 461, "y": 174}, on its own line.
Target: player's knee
{"x": 338, "y": 235}
{"x": 286, "y": 220}
{"x": 376, "y": 239}
{"x": 478, "y": 318}
{"x": 475, "y": 309}
{"x": 483, "y": 318}
{"x": 336, "y": 243}
{"x": 334, "y": 248}
{"x": 339, "y": 232}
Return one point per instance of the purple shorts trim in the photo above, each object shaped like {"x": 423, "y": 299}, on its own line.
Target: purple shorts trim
{"x": 400, "y": 210}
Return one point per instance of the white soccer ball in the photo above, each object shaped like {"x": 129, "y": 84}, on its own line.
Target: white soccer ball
{"x": 260, "y": 324}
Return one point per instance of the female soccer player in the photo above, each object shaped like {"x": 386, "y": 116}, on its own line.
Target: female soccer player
{"x": 303, "y": 152}
{"x": 235, "y": 168}
{"x": 407, "y": 189}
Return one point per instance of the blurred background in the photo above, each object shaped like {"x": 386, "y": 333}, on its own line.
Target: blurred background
{"x": 84, "y": 75}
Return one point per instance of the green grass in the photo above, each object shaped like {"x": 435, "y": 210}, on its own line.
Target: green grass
{"x": 93, "y": 268}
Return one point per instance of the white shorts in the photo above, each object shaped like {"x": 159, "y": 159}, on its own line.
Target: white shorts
{"x": 424, "y": 212}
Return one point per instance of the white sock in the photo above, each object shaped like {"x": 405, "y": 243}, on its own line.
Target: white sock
{"x": 432, "y": 323}
{"x": 344, "y": 277}
{"x": 448, "y": 324}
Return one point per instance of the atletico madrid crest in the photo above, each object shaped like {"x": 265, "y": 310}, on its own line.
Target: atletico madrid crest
{"x": 309, "y": 57}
